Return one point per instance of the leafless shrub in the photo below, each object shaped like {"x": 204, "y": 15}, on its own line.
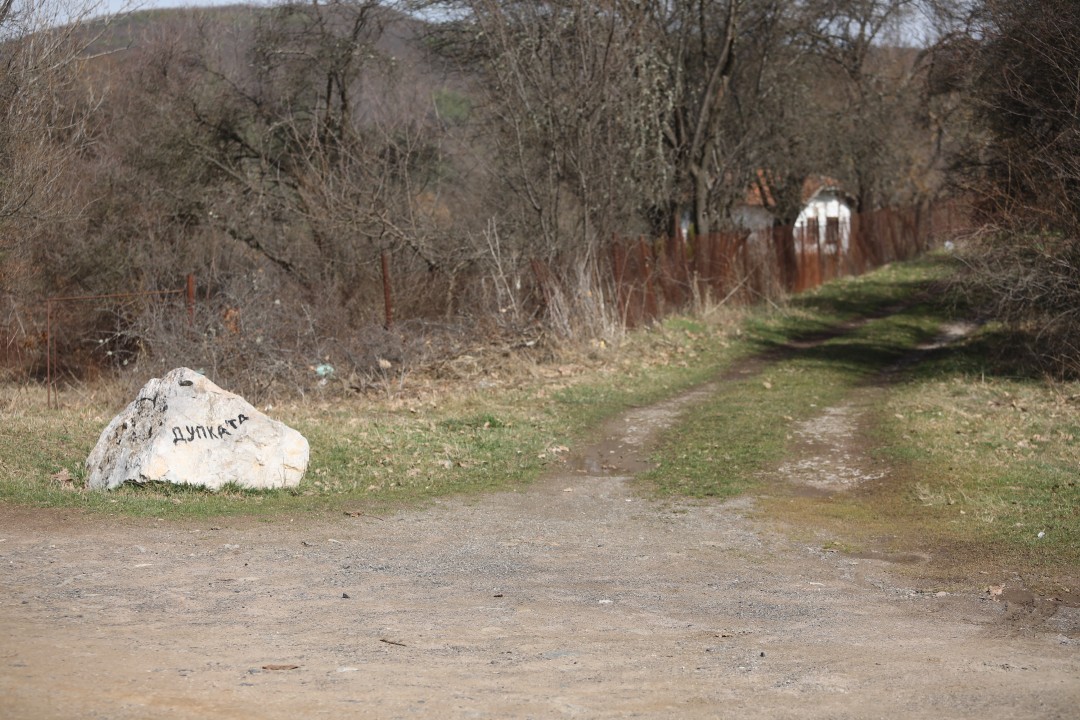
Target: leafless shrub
{"x": 349, "y": 201}
{"x": 503, "y": 286}
{"x": 42, "y": 129}
{"x": 1024, "y": 91}
{"x": 256, "y": 335}
{"x": 1031, "y": 282}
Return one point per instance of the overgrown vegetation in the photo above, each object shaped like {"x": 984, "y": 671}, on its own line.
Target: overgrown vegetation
{"x": 356, "y": 183}
{"x": 1017, "y": 70}
{"x": 470, "y": 162}
{"x": 493, "y": 423}
{"x": 977, "y": 463}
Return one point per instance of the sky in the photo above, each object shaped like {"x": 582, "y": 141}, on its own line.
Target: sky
{"x": 918, "y": 29}
{"x": 117, "y": 5}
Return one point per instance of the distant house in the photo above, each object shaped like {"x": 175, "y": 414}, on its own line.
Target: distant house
{"x": 823, "y": 225}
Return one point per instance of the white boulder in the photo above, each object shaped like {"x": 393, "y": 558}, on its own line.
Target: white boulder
{"x": 184, "y": 429}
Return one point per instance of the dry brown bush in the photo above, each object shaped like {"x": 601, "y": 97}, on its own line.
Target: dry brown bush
{"x": 1023, "y": 63}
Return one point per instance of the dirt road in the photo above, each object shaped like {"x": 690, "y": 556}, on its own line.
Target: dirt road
{"x": 573, "y": 598}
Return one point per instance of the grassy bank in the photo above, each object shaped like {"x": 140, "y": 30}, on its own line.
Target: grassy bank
{"x": 988, "y": 464}
{"x": 978, "y": 461}
{"x": 816, "y": 356}
{"x": 498, "y": 423}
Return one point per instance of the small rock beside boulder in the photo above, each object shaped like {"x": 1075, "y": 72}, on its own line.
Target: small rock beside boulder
{"x": 184, "y": 429}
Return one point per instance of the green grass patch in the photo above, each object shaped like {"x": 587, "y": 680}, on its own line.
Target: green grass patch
{"x": 981, "y": 479}
{"x": 824, "y": 309}
{"x": 373, "y": 455}
{"x": 983, "y": 462}
{"x": 981, "y": 458}
{"x": 724, "y": 446}
{"x": 992, "y": 468}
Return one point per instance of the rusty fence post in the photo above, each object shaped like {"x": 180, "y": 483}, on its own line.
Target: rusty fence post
{"x": 618, "y": 262}
{"x": 52, "y": 396}
{"x": 48, "y": 354}
{"x": 388, "y": 304}
{"x": 191, "y": 300}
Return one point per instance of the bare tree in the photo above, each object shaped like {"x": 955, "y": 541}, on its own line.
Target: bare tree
{"x": 574, "y": 94}
{"x": 569, "y": 129}
{"x": 876, "y": 83}
{"x": 702, "y": 39}
{"x": 303, "y": 138}
{"x": 40, "y": 48}
{"x": 1024, "y": 83}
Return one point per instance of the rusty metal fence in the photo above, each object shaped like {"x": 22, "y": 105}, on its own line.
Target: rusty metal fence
{"x": 644, "y": 278}
{"x": 52, "y": 325}
{"x": 656, "y": 276}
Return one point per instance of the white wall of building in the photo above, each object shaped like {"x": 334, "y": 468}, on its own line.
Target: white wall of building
{"x": 826, "y": 204}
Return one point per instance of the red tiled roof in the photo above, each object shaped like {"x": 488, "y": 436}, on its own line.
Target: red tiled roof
{"x": 812, "y": 185}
